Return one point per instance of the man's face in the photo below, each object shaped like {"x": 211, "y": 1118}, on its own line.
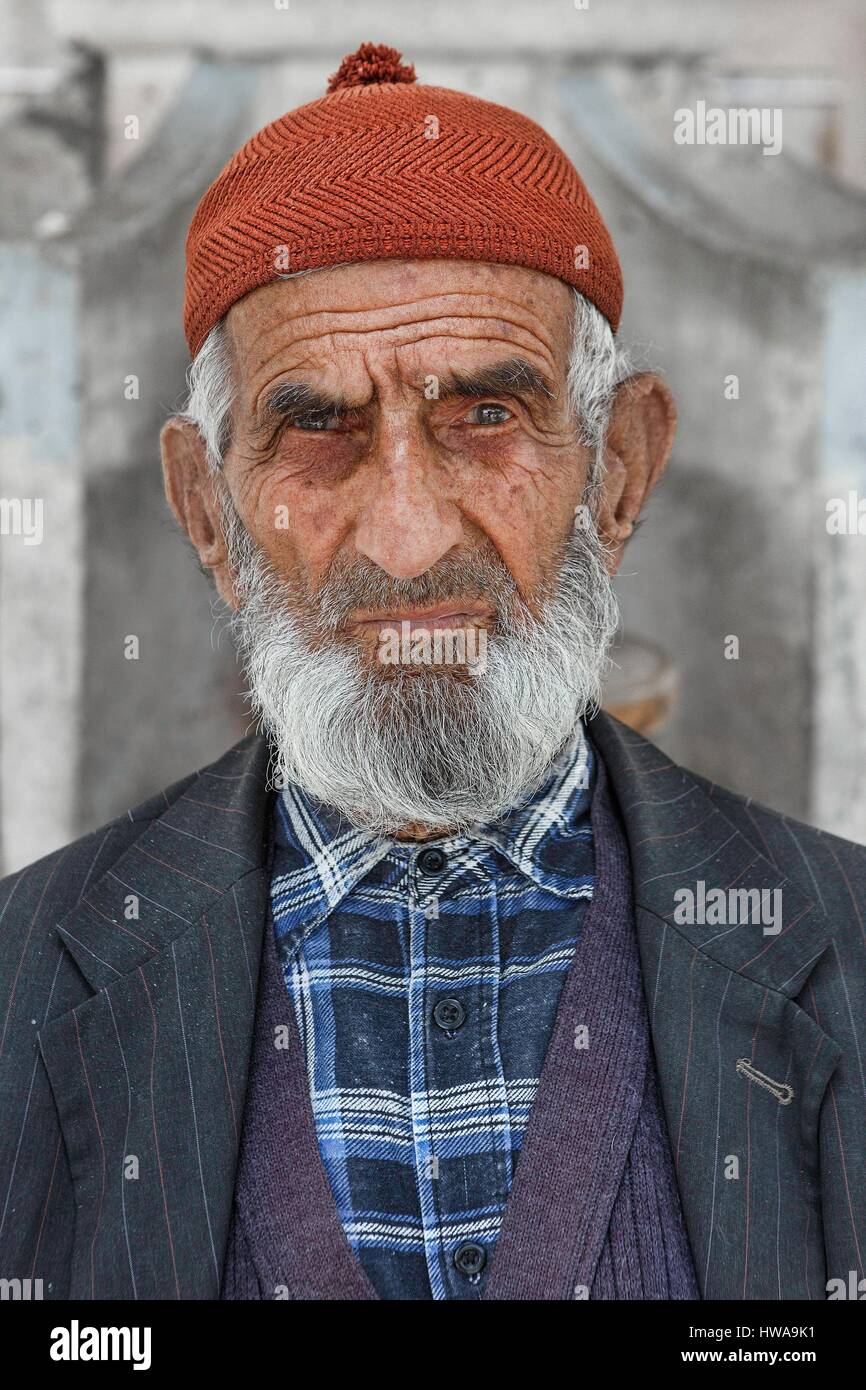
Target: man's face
{"x": 404, "y": 467}
{"x": 401, "y": 412}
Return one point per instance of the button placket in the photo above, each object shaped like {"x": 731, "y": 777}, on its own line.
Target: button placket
{"x": 449, "y": 1051}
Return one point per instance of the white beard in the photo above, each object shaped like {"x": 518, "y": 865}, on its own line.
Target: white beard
{"x": 443, "y": 748}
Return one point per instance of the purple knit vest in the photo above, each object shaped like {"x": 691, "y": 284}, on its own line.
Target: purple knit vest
{"x": 594, "y": 1211}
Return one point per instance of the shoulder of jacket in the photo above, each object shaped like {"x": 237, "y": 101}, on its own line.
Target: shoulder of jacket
{"x": 817, "y": 860}
{"x": 53, "y": 884}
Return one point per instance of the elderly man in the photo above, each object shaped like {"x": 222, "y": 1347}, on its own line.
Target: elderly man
{"x": 443, "y": 985}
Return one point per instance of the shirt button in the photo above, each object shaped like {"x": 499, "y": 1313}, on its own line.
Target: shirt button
{"x": 470, "y": 1258}
{"x": 449, "y": 1015}
{"x": 431, "y": 861}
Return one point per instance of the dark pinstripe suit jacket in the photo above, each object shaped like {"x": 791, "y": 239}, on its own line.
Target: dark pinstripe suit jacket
{"x": 125, "y": 1039}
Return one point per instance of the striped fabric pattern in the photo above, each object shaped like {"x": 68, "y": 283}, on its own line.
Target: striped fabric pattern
{"x": 419, "y": 1129}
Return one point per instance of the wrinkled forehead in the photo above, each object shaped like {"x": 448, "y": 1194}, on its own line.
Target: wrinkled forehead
{"x": 401, "y": 317}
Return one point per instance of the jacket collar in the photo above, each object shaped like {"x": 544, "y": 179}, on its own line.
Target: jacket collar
{"x": 192, "y": 853}
{"x": 214, "y": 834}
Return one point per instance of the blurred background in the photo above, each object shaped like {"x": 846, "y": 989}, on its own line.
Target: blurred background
{"x": 744, "y": 647}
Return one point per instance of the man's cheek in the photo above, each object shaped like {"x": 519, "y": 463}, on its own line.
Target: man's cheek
{"x": 300, "y": 531}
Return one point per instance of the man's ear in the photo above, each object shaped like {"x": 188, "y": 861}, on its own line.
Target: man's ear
{"x": 191, "y": 494}
{"x": 640, "y": 436}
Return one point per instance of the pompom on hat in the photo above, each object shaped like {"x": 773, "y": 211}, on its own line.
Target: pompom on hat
{"x": 382, "y": 167}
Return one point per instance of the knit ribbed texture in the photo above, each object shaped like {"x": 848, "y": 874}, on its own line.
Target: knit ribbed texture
{"x": 384, "y": 169}
{"x": 594, "y": 1211}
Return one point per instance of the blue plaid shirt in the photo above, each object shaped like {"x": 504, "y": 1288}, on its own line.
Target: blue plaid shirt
{"x": 425, "y": 979}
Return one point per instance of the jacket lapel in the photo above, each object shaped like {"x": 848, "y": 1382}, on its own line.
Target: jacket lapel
{"x": 149, "y": 1074}
{"x": 742, "y": 1068}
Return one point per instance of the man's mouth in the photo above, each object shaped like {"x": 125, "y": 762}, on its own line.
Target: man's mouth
{"x": 446, "y": 616}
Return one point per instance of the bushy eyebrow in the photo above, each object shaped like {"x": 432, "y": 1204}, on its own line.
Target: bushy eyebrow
{"x": 299, "y": 398}
{"x": 514, "y": 376}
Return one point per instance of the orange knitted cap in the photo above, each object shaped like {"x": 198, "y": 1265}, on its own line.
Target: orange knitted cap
{"x": 381, "y": 167}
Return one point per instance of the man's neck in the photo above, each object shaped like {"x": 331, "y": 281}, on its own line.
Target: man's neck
{"x": 415, "y": 830}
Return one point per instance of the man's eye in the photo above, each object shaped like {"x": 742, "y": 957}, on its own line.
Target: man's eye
{"x": 316, "y": 420}
{"x": 488, "y": 413}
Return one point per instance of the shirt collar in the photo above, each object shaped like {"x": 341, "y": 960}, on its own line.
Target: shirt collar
{"x": 329, "y": 856}
{"x": 539, "y": 836}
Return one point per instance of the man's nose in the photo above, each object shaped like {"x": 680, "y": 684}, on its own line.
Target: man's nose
{"x": 407, "y": 524}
